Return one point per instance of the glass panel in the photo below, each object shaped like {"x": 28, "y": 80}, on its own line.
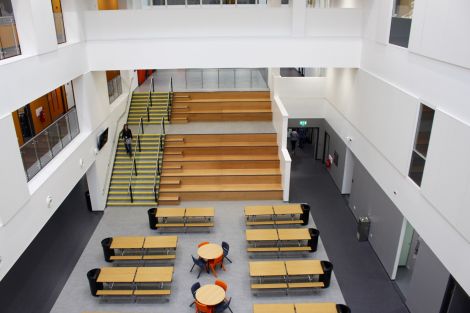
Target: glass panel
{"x": 424, "y": 130}
{"x": 194, "y": 2}
{"x": 403, "y": 8}
{"x": 417, "y": 168}
{"x": 43, "y": 148}
{"x": 73, "y": 123}
{"x": 211, "y": 2}
{"x": 9, "y": 44}
{"x": 226, "y": 78}
{"x": 193, "y": 79}
{"x": 64, "y": 130}
{"x": 210, "y": 78}
{"x": 54, "y": 139}
{"x": 30, "y": 160}
{"x": 247, "y": 1}
{"x": 243, "y": 78}
{"x": 175, "y": 2}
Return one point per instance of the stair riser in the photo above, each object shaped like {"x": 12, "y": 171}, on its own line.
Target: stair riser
{"x": 226, "y": 196}
{"x": 225, "y": 164}
{"x": 211, "y": 180}
{"x": 226, "y": 105}
{"x": 221, "y": 95}
{"x": 224, "y": 150}
{"x": 187, "y": 138}
{"x": 220, "y": 117}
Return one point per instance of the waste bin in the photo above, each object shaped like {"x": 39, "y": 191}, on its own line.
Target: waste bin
{"x": 152, "y": 218}
{"x": 363, "y": 227}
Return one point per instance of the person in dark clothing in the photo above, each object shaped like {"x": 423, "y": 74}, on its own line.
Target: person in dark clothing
{"x": 294, "y": 137}
{"x": 127, "y": 137}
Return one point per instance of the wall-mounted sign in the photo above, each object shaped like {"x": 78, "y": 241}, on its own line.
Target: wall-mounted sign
{"x": 303, "y": 123}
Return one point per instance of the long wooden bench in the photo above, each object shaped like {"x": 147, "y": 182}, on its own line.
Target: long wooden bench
{"x": 273, "y": 215}
{"x": 129, "y": 293}
{"x": 317, "y": 307}
{"x": 181, "y": 218}
{"x": 272, "y": 240}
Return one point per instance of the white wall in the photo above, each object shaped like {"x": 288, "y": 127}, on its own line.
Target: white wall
{"x": 334, "y": 22}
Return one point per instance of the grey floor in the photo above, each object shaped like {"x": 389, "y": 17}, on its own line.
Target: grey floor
{"x": 229, "y": 226}
{"x": 207, "y": 80}
{"x": 365, "y": 284}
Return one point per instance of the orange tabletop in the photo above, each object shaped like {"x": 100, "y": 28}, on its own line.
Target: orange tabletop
{"x": 210, "y": 251}
{"x": 210, "y": 295}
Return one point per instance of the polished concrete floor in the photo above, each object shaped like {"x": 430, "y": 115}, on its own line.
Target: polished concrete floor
{"x": 229, "y": 226}
{"x": 365, "y": 284}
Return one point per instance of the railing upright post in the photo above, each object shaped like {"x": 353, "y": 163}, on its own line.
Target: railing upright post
{"x": 148, "y": 114}
{"x": 163, "y": 125}
{"x": 153, "y": 84}
{"x": 135, "y": 167}
{"x": 130, "y": 193}
{"x": 138, "y": 142}
{"x": 142, "y": 125}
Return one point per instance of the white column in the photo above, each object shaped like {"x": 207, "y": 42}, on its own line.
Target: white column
{"x": 299, "y": 12}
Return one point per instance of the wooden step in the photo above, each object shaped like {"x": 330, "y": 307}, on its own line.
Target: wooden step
{"x": 218, "y": 117}
{"x": 185, "y": 144}
{"x": 220, "y": 172}
{"x": 222, "y": 95}
{"x": 216, "y": 150}
{"x": 220, "y": 158}
{"x": 222, "y": 188}
{"x": 223, "y": 180}
{"x": 224, "y": 196}
{"x": 222, "y": 164}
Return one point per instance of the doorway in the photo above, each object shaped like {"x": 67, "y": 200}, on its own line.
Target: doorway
{"x": 407, "y": 260}
{"x": 326, "y": 147}
{"x": 308, "y": 140}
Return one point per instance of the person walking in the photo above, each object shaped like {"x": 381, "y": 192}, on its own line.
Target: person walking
{"x": 294, "y": 137}
{"x": 127, "y": 136}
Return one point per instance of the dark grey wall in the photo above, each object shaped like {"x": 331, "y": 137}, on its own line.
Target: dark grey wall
{"x": 35, "y": 281}
{"x": 368, "y": 199}
{"x": 428, "y": 283}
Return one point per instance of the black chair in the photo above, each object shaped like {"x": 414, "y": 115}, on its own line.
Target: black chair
{"x": 313, "y": 242}
{"x": 223, "y": 306}
{"x": 341, "y": 308}
{"x": 326, "y": 276}
{"x": 194, "y": 288}
{"x": 152, "y": 218}
{"x": 305, "y": 213}
{"x": 226, "y": 248}
{"x": 92, "y": 276}
{"x": 201, "y": 264}
{"x": 107, "y": 251}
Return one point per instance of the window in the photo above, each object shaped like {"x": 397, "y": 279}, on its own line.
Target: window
{"x": 401, "y": 22}
{"x": 9, "y": 43}
{"x": 420, "y": 150}
{"x": 114, "y": 85}
{"x": 58, "y": 21}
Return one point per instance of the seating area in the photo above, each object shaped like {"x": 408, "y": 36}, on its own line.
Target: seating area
{"x": 130, "y": 282}
{"x": 301, "y": 308}
{"x": 290, "y": 275}
{"x": 181, "y": 218}
{"x": 139, "y": 249}
{"x": 277, "y": 215}
{"x": 282, "y": 240}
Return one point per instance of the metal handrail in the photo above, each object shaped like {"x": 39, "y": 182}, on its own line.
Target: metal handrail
{"x": 134, "y": 163}
{"x": 159, "y": 163}
{"x": 117, "y": 137}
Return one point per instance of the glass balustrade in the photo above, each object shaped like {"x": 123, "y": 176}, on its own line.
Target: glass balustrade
{"x": 42, "y": 148}
{"x": 223, "y": 79}
{"x": 9, "y": 44}
{"x": 114, "y": 88}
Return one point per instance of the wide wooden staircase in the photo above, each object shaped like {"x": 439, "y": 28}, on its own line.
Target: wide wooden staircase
{"x": 221, "y": 106}
{"x": 150, "y": 108}
{"x": 220, "y": 167}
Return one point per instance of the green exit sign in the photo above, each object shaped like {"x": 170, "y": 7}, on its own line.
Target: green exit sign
{"x": 303, "y": 123}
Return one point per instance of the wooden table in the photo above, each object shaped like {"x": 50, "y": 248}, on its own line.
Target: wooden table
{"x": 273, "y": 308}
{"x": 287, "y": 209}
{"x": 210, "y": 251}
{"x": 267, "y": 268}
{"x": 154, "y": 274}
{"x": 210, "y": 295}
{"x": 261, "y": 235}
{"x": 316, "y": 308}
{"x": 127, "y": 242}
{"x": 170, "y": 212}
{"x": 160, "y": 242}
{"x": 117, "y": 275}
{"x": 199, "y": 212}
{"x": 294, "y": 234}
{"x": 258, "y": 210}
{"x": 304, "y": 267}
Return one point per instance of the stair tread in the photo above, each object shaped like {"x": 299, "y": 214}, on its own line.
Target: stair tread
{"x": 218, "y": 187}
{"x": 221, "y": 172}
{"x": 177, "y": 158}
{"x": 220, "y": 144}
{"x": 220, "y": 111}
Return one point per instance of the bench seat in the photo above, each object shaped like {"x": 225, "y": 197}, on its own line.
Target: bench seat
{"x": 116, "y": 292}
{"x": 260, "y": 223}
{"x": 267, "y": 249}
{"x": 170, "y": 225}
{"x": 158, "y": 292}
{"x": 294, "y": 249}
{"x": 160, "y": 257}
{"x": 317, "y": 284}
{"x": 199, "y": 225}
{"x": 125, "y": 257}
{"x": 269, "y": 286}
{"x": 289, "y": 222}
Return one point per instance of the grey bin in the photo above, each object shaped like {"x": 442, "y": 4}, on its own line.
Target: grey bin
{"x": 363, "y": 227}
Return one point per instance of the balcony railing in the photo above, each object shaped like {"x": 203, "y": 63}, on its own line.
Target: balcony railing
{"x": 9, "y": 44}
{"x": 209, "y": 2}
{"x": 43, "y": 147}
